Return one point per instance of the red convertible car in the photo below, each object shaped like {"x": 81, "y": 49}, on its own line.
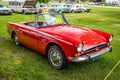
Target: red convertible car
{"x": 51, "y": 35}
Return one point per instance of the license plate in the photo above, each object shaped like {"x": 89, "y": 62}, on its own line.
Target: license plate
{"x": 5, "y": 12}
{"x": 95, "y": 58}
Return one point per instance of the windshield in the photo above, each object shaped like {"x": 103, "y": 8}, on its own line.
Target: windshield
{"x": 43, "y": 5}
{"x": 54, "y": 19}
{"x": 2, "y": 6}
{"x": 67, "y": 6}
{"x": 51, "y": 19}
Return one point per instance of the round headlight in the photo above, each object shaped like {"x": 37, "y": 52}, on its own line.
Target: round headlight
{"x": 80, "y": 47}
{"x": 110, "y": 39}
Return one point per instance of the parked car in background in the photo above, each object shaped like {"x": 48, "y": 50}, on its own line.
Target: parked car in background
{"x": 5, "y": 10}
{"x": 52, "y": 36}
{"x": 41, "y": 7}
{"x": 75, "y": 8}
{"x": 118, "y": 4}
{"x": 67, "y": 8}
{"x": 84, "y": 9}
{"x": 94, "y": 3}
{"x": 58, "y": 7}
{"x": 23, "y": 7}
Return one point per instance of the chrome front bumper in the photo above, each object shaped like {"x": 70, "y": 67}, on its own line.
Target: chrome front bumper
{"x": 90, "y": 56}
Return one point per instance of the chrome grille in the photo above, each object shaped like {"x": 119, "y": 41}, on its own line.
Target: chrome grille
{"x": 32, "y": 9}
{"x": 5, "y": 10}
{"x": 95, "y": 48}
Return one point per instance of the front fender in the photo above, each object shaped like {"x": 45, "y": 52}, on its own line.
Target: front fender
{"x": 67, "y": 47}
{"x": 104, "y": 34}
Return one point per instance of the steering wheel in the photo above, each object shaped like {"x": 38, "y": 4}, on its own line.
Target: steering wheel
{"x": 45, "y": 24}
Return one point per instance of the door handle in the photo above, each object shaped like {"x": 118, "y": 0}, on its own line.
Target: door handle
{"x": 21, "y": 32}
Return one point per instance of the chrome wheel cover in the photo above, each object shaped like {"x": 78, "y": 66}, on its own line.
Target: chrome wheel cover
{"x": 16, "y": 40}
{"x": 56, "y": 57}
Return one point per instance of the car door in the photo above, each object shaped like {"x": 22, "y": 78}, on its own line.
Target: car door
{"x": 32, "y": 39}
{"x": 28, "y": 37}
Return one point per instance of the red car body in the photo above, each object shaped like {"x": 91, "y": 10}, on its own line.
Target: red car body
{"x": 66, "y": 36}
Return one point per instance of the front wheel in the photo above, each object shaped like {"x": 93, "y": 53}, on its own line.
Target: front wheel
{"x": 88, "y": 11}
{"x": 56, "y": 57}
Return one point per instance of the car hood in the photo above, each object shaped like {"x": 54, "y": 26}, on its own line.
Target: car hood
{"x": 77, "y": 34}
{"x": 29, "y": 3}
{"x": 5, "y": 9}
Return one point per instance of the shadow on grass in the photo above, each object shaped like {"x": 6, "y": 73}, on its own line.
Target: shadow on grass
{"x": 28, "y": 64}
{"x": 5, "y": 14}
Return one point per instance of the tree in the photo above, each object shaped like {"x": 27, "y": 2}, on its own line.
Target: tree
{"x": 43, "y": 1}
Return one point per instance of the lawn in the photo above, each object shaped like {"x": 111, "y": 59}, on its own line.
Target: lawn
{"x": 21, "y": 63}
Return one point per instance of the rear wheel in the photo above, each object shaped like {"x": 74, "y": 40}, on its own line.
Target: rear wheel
{"x": 73, "y": 11}
{"x": 83, "y": 10}
{"x": 13, "y": 10}
{"x": 23, "y": 12}
{"x": 9, "y": 13}
{"x": 59, "y": 11}
{"x": 56, "y": 57}
{"x": 88, "y": 11}
{"x": 16, "y": 41}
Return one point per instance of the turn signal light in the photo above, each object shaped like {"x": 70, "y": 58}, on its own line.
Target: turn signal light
{"x": 77, "y": 55}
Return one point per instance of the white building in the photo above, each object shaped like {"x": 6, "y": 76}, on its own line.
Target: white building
{"x": 13, "y": 0}
{"x": 18, "y": 0}
{"x": 113, "y": 1}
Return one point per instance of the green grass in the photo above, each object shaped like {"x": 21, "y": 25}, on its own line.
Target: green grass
{"x": 5, "y": 3}
{"x": 21, "y": 63}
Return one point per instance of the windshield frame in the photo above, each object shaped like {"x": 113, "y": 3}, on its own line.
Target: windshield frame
{"x": 2, "y": 6}
{"x": 37, "y": 18}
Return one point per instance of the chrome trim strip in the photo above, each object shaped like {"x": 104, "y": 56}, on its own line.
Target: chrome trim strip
{"x": 79, "y": 59}
{"x": 87, "y": 57}
{"x": 99, "y": 53}
{"x": 94, "y": 48}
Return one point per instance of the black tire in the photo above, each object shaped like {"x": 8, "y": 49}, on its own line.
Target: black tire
{"x": 23, "y": 12}
{"x": 56, "y": 57}
{"x": 83, "y": 10}
{"x": 79, "y": 11}
{"x": 73, "y": 11}
{"x": 10, "y": 13}
{"x": 52, "y": 11}
{"x": 59, "y": 11}
{"x": 13, "y": 10}
{"x": 87, "y": 11}
{"x": 16, "y": 40}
